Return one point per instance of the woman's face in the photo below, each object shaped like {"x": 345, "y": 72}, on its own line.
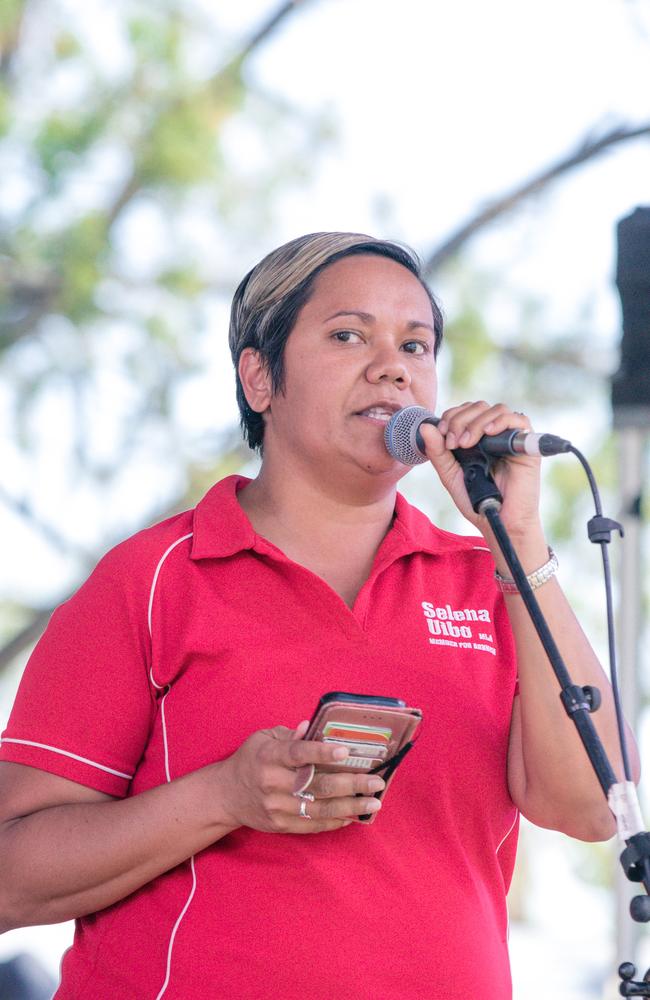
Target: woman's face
{"x": 361, "y": 349}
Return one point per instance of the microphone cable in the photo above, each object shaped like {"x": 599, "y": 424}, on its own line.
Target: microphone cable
{"x": 599, "y": 529}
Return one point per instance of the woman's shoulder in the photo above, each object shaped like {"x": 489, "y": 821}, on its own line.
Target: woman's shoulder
{"x": 430, "y": 537}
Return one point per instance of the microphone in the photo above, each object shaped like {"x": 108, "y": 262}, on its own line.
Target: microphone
{"x": 404, "y": 441}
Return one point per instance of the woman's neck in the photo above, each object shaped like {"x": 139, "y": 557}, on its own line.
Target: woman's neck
{"x": 334, "y": 534}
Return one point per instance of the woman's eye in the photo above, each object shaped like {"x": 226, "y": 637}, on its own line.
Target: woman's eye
{"x": 415, "y": 347}
{"x": 346, "y": 336}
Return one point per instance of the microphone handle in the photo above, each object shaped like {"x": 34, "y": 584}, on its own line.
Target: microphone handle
{"x": 508, "y": 442}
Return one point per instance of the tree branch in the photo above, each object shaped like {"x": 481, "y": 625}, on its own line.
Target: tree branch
{"x": 44, "y": 296}
{"x": 266, "y": 29}
{"x": 261, "y": 34}
{"x": 587, "y": 150}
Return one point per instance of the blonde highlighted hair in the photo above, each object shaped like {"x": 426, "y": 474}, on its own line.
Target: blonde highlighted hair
{"x": 268, "y": 299}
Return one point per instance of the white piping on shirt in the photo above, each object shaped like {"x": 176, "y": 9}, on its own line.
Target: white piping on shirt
{"x": 164, "y": 733}
{"x": 155, "y": 576}
{"x": 176, "y": 926}
{"x": 66, "y": 753}
{"x": 503, "y": 840}
{"x": 179, "y": 919}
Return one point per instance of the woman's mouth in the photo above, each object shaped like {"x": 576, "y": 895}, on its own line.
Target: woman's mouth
{"x": 378, "y": 413}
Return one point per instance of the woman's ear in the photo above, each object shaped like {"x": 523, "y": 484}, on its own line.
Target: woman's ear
{"x": 255, "y": 379}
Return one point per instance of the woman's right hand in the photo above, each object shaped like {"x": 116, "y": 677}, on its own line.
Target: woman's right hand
{"x": 258, "y": 783}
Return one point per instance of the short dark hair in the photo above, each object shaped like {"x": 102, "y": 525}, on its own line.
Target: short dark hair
{"x": 267, "y": 301}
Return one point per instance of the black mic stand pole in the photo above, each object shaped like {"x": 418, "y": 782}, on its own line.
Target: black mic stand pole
{"x": 579, "y": 702}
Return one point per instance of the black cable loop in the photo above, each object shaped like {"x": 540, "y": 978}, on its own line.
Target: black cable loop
{"x": 611, "y": 639}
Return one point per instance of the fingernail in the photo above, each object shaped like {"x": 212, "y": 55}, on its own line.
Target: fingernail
{"x": 340, "y": 753}
{"x": 442, "y": 426}
{"x": 450, "y": 441}
{"x": 464, "y": 438}
{"x": 372, "y": 806}
{"x": 376, "y": 784}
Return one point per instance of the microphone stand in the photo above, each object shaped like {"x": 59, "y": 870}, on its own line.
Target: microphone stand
{"x": 579, "y": 702}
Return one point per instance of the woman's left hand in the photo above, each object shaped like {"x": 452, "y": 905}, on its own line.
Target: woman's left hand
{"x": 517, "y": 477}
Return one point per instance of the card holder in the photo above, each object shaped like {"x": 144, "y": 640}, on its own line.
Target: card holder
{"x": 379, "y": 735}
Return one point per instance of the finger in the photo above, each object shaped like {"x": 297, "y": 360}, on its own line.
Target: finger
{"x": 450, "y": 413}
{"x": 506, "y": 420}
{"x": 338, "y": 785}
{"x": 297, "y": 753}
{"x": 302, "y": 778}
{"x": 467, "y": 426}
{"x": 322, "y": 810}
{"x": 343, "y": 808}
{"x": 462, "y": 421}
{"x": 322, "y": 826}
{"x": 300, "y": 730}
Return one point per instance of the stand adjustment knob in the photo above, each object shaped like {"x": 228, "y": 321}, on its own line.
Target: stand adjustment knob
{"x": 630, "y": 988}
{"x": 627, "y": 971}
{"x": 580, "y": 699}
{"x": 640, "y": 909}
{"x": 592, "y": 694}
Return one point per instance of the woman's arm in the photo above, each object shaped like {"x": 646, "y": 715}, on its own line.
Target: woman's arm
{"x": 549, "y": 774}
{"x": 67, "y": 850}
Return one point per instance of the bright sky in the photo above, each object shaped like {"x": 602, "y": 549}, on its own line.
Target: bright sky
{"x": 437, "y": 107}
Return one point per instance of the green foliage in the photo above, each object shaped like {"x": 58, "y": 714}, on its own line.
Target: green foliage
{"x": 100, "y": 311}
{"x": 157, "y": 39}
{"x": 10, "y": 12}
{"x": 184, "y": 281}
{"x": 67, "y": 46}
{"x": 5, "y": 109}
{"x": 470, "y": 345}
{"x": 64, "y": 137}
{"x": 81, "y": 252}
{"x": 180, "y": 148}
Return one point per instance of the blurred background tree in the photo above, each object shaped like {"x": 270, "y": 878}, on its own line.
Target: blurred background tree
{"x": 127, "y": 216}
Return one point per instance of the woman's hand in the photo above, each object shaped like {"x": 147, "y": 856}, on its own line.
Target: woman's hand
{"x": 258, "y": 783}
{"x": 517, "y": 477}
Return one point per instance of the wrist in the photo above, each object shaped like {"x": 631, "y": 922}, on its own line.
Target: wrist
{"x": 537, "y": 578}
{"x": 530, "y": 547}
{"x": 217, "y": 810}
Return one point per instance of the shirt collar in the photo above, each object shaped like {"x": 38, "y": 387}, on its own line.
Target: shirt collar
{"x": 221, "y": 528}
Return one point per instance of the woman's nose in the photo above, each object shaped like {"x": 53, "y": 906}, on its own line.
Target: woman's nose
{"x": 388, "y": 366}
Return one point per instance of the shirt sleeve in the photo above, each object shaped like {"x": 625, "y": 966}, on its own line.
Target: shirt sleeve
{"x": 84, "y": 707}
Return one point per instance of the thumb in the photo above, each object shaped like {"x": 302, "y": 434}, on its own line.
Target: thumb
{"x": 441, "y": 458}
{"x": 448, "y": 469}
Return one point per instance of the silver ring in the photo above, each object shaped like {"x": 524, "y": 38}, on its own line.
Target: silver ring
{"x": 309, "y": 796}
{"x": 303, "y": 809}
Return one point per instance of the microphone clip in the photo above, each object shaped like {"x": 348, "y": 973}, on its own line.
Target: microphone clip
{"x": 481, "y": 488}
{"x": 600, "y": 529}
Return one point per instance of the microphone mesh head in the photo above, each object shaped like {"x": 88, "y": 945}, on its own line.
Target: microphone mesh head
{"x": 399, "y": 435}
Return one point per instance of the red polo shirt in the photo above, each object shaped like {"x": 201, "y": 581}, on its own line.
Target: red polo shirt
{"x": 195, "y": 633}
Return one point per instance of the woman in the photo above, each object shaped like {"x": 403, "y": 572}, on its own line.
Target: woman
{"x": 134, "y": 796}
